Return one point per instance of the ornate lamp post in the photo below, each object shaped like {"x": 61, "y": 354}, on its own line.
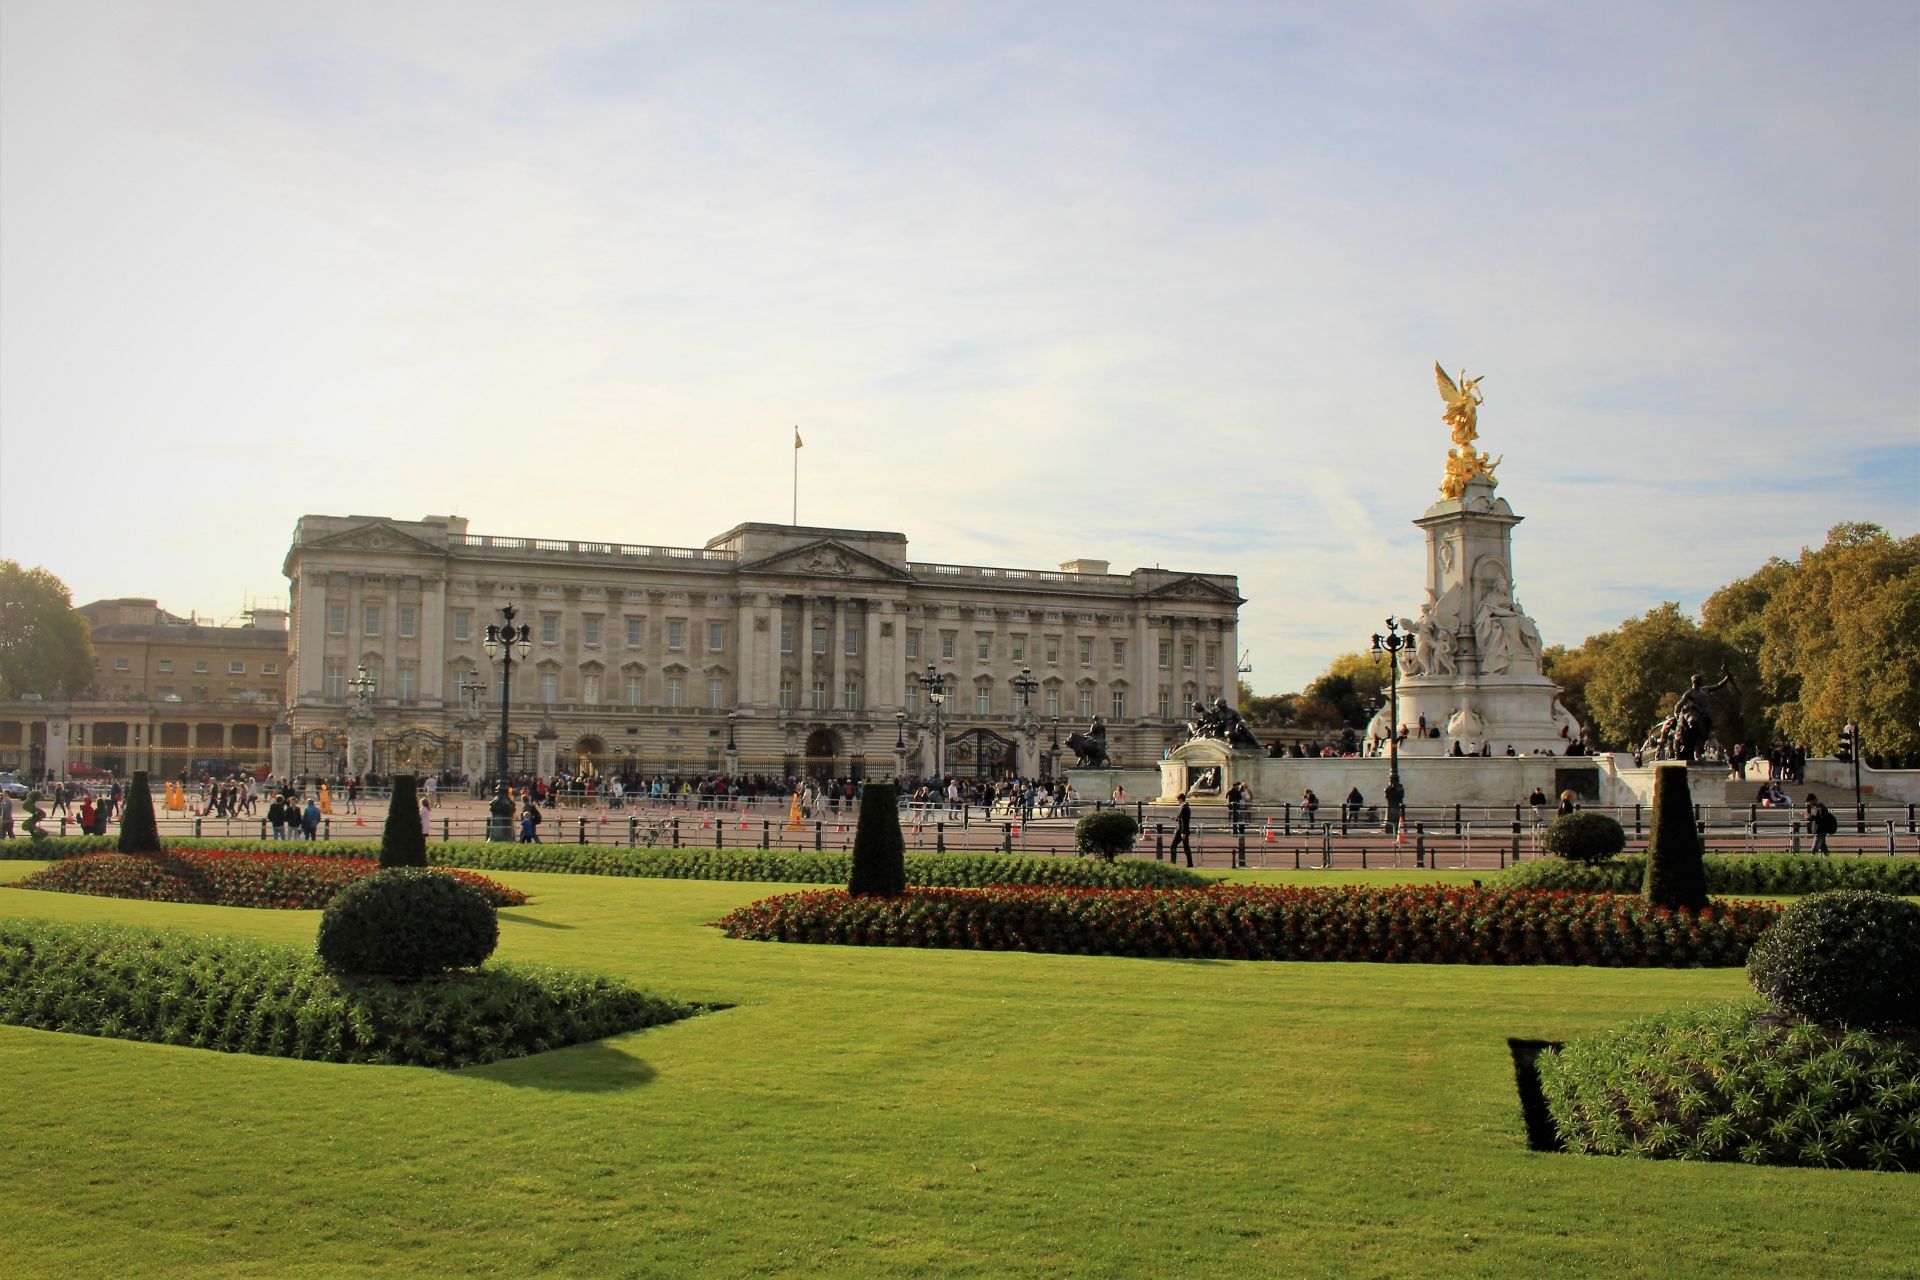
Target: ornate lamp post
{"x": 936, "y": 686}
{"x": 1392, "y": 644}
{"x": 733, "y": 751}
{"x": 1053, "y": 748}
{"x": 899, "y": 746}
{"x": 501, "y": 643}
{"x": 360, "y": 722}
{"x": 1024, "y": 684}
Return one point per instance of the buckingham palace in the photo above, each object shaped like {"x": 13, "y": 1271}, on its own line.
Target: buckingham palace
{"x": 774, "y": 649}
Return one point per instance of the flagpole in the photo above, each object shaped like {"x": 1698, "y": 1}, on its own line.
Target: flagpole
{"x": 796, "y": 477}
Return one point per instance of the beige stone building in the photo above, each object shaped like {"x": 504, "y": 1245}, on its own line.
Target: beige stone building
{"x": 169, "y": 694}
{"x": 772, "y": 649}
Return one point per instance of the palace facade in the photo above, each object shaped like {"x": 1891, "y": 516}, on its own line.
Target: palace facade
{"x": 774, "y": 649}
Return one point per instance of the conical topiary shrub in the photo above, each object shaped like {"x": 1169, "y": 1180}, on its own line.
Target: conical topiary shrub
{"x": 403, "y": 843}
{"x": 139, "y": 832}
{"x": 879, "y": 852}
{"x": 1676, "y": 876}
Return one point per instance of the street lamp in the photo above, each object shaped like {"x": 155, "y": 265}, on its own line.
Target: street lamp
{"x": 936, "y": 686}
{"x": 470, "y": 690}
{"x": 1392, "y": 644}
{"x": 1024, "y": 684}
{"x": 502, "y": 641}
{"x": 900, "y": 734}
{"x": 364, "y": 687}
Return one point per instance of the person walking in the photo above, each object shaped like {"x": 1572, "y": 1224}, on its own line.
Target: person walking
{"x": 1821, "y": 822}
{"x": 1182, "y": 831}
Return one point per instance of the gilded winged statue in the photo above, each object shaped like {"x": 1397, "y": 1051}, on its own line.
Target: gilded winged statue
{"x": 1464, "y": 462}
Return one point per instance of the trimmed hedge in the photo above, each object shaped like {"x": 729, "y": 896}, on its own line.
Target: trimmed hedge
{"x": 772, "y": 865}
{"x": 1425, "y": 924}
{"x": 403, "y": 841}
{"x": 407, "y": 923}
{"x": 238, "y": 996}
{"x": 879, "y": 852}
{"x": 229, "y": 878}
{"x": 1675, "y": 877}
{"x": 1106, "y": 833}
{"x": 1753, "y": 873}
{"x": 1735, "y": 1082}
{"x": 1584, "y": 836}
{"x": 139, "y": 832}
{"x": 1847, "y": 957}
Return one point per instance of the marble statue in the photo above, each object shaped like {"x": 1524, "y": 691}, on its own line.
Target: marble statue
{"x": 1506, "y": 636}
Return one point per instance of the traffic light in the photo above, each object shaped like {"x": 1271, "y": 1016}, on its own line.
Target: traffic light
{"x": 1849, "y": 744}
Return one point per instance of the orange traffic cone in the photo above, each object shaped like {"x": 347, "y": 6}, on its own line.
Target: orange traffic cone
{"x": 359, "y": 822}
{"x": 1016, "y": 828}
{"x": 743, "y": 824}
{"x": 1269, "y": 835}
{"x": 1400, "y": 836}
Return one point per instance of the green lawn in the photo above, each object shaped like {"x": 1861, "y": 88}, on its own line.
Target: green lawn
{"x": 883, "y": 1112}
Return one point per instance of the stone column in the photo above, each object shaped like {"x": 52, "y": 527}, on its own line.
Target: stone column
{"x": 546, "y": 751}
{"x": 870, "y": 663}
{"x": 280, "y": 747}
{"x": 359, "y": 742}
{"x": 59, "y": 734}
{"x": 803, "y": 696}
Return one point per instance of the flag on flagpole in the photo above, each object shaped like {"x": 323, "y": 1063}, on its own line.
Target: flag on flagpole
{"x": 797, "y": 442}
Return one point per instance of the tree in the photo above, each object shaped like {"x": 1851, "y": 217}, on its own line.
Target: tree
{"x": 1272, "y": 709}
{"x": 1836, "y": 641}
{"x": 1572, "y": 670}
{"x": 1638, "y": 676}
{"x": 403, "y": 841}
{"x": 139, "y": 833}
{"x": 1351, "y": 681}
{"x": 45, "y": 647}
{"x": 879, "y": 850}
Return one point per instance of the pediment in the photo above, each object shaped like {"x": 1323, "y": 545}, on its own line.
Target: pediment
{"x": 825, "y": 558}
{"x": 1194, "y": 587}
{"x": 375, "y": 535}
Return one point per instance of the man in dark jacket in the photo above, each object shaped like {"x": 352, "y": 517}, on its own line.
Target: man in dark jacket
{"x": 1182, "y": 831}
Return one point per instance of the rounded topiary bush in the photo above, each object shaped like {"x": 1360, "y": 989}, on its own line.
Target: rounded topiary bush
{"x": 1585, "y": 836}
{"x": 1106, "y": 833}
{"x": 1846, "y": 956}
{"x": 407, "y": 922}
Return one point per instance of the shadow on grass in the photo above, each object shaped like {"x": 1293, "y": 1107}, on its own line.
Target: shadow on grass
{"x": 1541, "y": 1135}
{"x": 538, "y": 924}
{"x": 593, "y": 1067}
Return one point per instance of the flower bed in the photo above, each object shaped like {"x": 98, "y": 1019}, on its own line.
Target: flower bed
{"x": 1739, "y": 1082}
{"x": 227, "y": 878}
{"x": 268, "y": 998}
{"x": 1422, "y": 925}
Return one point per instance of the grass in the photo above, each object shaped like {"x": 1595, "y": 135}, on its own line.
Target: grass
{"x": 871, "y": 1111}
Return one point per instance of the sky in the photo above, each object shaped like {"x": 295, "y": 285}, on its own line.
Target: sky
{"x": 1155, "y": 284}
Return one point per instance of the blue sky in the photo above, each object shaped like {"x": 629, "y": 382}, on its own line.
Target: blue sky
{"x": 1154, "y": 284}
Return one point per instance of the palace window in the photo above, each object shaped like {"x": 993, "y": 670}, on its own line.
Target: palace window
{"x": 716, "y": 693}
{"x": 1086, "y": 651}
{"x": 1119, "y": 703}
{"x": 1166, "y": 655}
{"x": 199, "y": 666}
{"x": 121, "y": 664}
{"x": 636, "y": 690}
{"x": 913, "y": 645}
{"x": 462, "y": 624}
{"x": 236, "y": 668}
{"x": 1166, "y": 704}
{"x": 853, "y": 638}
{"x": 166, "y": 665}
{"x": 786, "y": 695}
{"x": 1053, "y": 701}
{"x": 590, "y": 689}
{"x": 913, "y": 699}
{"x": 674, "y": 695}
{"x": 634, "y": 627}
{"x": 1213, "y": 654}
{"x": 549, "y": 628}
{"x": 404, "y": 680}
{"x": 336, "y": 619}
{"x": 819, "y": 695}
{"x": 982, "y": 699}
{"x": 983, "y": 646}
{"x": 1019, "y": 648}
{"x": 786, "y": 637}
{"x": 1186, "y": 654}
{"x": 946, "y": 643}
{"x": 1053, "y": 651}
{"x": 590, "y": 629}
{"x": 336, "y": 682}
{"x": 851, "y": 694}
{"x": 408, "y": 615}
{"x": 269, "y": 668}
{"x": 820, "y": 637}
{"x": 549, "y": 686}
{"x": 1086, "y": 702}
{"x": 716, "y": 636}
{"x": 370, "y": 620}
{"x": 676, "y": 633}
{"x": 1119, "y": 653}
